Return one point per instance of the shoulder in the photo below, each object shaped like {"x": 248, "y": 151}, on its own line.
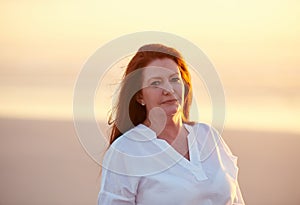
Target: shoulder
{"x": 131, "y": 140}
{"x": 204, "y": 131}
{"x": 208, "y": 139}
{"x": 203, "y": 127}
{"x": 131, "y": 153}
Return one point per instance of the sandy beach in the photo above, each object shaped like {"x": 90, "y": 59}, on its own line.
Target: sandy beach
{"x": 43, "y": 162}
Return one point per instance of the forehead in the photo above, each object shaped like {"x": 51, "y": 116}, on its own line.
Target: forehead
{"x": 160, "y": 67}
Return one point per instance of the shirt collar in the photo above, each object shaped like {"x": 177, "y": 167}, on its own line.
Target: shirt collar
{"x": 143, "y": 133}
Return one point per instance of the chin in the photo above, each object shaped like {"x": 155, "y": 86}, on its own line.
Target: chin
{"x": 172, "y": 111}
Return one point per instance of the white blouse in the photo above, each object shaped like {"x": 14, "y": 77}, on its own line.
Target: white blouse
{"x": 140, "y": 169}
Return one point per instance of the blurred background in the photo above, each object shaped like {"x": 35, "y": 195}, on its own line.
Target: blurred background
{"x": 254, "y": 46}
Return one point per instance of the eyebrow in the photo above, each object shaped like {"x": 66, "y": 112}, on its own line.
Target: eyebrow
{"x": 158, "y": 77}
{"x": 153, "y": 78}
{"x": 177, "y": 73}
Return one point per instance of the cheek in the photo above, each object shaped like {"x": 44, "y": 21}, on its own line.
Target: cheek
{"x": 179, "y": 89}
{"x": 151, "y": 96}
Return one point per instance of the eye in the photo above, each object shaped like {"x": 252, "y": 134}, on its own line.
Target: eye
{"x": 155, "y": 83}
{"x": 175, "y": 79}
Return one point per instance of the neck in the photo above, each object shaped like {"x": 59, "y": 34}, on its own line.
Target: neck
{"x": 171, "y": 130}
{"x": 168, "y": 128}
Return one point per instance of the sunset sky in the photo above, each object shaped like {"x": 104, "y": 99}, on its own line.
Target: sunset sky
{"x": 254, "y": 46}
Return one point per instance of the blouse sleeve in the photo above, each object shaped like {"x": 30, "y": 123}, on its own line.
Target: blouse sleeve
{"x": 230, "y": 162}
{"x": 116, "y": 189}
{"x": 238, "y": 198}
{"x": 118, "y": 186}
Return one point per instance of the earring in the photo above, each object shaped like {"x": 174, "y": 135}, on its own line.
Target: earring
{"x": 143, "y": 104}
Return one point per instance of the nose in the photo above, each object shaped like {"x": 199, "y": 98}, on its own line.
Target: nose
{"x": 167, "y": 88}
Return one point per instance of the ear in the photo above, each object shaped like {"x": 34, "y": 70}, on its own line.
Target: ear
{"x": 139, "y": 98}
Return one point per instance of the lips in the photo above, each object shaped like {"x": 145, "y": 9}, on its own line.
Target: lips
{"x": 170, "y": 101}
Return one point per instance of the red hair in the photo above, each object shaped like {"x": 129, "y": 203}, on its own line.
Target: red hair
{"x": 126, "y": 117}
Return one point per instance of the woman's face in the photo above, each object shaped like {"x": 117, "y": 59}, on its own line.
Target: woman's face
{"x": 162, "y": 87}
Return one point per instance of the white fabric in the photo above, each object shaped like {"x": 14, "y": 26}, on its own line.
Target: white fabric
{"x": 140, "y": 169}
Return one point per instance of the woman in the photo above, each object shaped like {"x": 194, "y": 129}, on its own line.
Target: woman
{"x": 156, "y": 155}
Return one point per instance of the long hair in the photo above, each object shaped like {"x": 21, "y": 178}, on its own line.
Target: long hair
{"x": 127, "y": 112}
